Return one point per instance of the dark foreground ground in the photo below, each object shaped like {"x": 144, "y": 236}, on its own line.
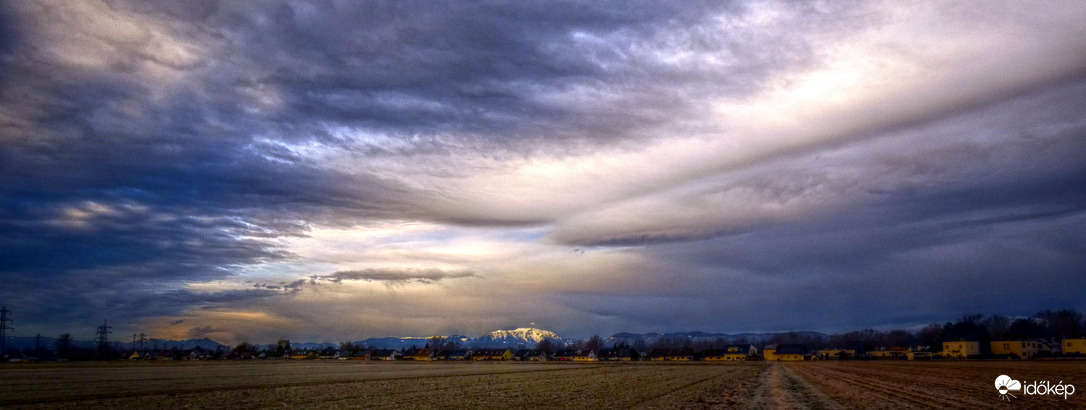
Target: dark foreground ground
{"x": 349, "y": 384}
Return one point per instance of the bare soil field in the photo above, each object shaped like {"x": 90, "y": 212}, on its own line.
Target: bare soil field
{"x": 348, "y": 384}
{"x": 337, "y": 384}
{"x": 936, "y": 384}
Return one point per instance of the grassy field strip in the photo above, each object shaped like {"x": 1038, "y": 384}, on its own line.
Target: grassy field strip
{"x": 211, "y": 383}
{"x": 144, "y": 374}
{"x": 466, "y": 385}
{"x": 804, "y": 392}
{"x": 582, "y": 387}
{"x": 779, "y": 388}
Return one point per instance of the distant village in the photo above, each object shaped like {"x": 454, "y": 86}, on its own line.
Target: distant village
{"x": 1046, "y": 335}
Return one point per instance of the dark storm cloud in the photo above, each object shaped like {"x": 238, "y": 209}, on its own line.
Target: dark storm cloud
{"x": 146, "y": 141}
{"x": 148, "y": 146}
{"x": 394, "y": 275}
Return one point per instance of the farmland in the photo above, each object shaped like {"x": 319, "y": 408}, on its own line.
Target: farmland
{"x": 341, "y": 384}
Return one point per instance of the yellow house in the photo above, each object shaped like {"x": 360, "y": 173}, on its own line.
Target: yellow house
{"x": 918, "y": 355}
{"x": 1074, "y": 346}
{"x": 733, "y": 353}
{"x": 680, "y": 354}
{"x": 1024, "y": 349}
{"x": 713, "y": 355}
{"x": 895, "y": 353}
{"x": 492, "y": 354}
{"x": 420, "y": 354}
{"x": 836, "y": 354}
{"x": 769, "y": 352}
{"x": 791, "y": 353}
{"x": 576, "y": 356}
{"x": 960, "y": 350}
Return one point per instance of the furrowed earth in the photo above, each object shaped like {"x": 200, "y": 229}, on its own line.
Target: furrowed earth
{"x": 351, "y": 384}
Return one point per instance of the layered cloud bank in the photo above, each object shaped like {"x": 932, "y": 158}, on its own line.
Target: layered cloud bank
{"x": 335, "y": 171}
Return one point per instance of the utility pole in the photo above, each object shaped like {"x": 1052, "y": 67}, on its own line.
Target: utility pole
{"x": 102, "y": 335}
{"x": 143, "y": 338}
{"x": 5, "y": 319}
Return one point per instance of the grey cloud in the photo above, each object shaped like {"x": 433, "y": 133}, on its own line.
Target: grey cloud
{"x": 172, "y": 147}
{"x": 394, "y": 275}
{"x": 203, "y": 331}
{"x": 287, "y": 287}
{"x": 982, "y": 159}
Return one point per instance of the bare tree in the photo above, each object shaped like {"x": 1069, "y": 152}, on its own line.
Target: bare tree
{"x": 593, "y": 343}
{"x": 545, "y": 345}
{"x": 64, "y": 345}
{"x": 929, "y": 335}
{"x": 997, "y": 326}
{"x": 1061, "y": 324}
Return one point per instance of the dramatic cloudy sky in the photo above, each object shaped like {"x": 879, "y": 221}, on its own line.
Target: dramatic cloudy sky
{"x": 339, "y": 170}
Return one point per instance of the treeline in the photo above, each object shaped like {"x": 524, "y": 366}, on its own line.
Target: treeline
{"x": 1045, "y": 325}
{"x": 64, "y": 347}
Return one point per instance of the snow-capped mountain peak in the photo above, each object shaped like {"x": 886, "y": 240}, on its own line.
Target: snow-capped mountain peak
{"x": 524, "y": 334}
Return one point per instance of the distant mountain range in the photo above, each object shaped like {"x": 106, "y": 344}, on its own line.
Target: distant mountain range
{"x": 649, "y": 339}
{"x": 530, "y": 337}
{"x": 524, "y": 337}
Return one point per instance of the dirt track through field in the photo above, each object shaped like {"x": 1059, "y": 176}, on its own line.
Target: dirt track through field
{"x": 779, "y": 388}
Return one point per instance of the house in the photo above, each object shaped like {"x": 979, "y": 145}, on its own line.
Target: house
{"x": 835, "y": 354}
{"x": 359, "y": 355}
{"x": 458, "y": 354}
{"x": 739, "y": 352}
{"x": 919, "y": 355}
{"x": 1073, "y": 346}
{"x": 1021, "y": 349}
{"x": 492, "y": 354}
{"x": 960, "y": 349}
{"x": 713, "y": 355}
{"x": 676, "y": 354}
{"x": 575, "y": 356}
{"x": 889, "y": 354}
{"x": 791, "y": 353}
{"x": 419, "y": 354}
{"x": 620, "y": 355}
{"x": 527, "y": 355}
{"x": 769, "y": 352}
{"x": 1047, "y": 347}
{"x": 384, "y": 354}
{"x": 134, "y": 356}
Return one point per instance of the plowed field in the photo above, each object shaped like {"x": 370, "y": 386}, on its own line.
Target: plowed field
{"x": 964, "y": 384}
{"x": 335, "y": 384}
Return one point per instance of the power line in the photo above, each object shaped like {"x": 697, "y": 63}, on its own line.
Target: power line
{"x": 102, "y": 335}
{"x": 4, "y": 320}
